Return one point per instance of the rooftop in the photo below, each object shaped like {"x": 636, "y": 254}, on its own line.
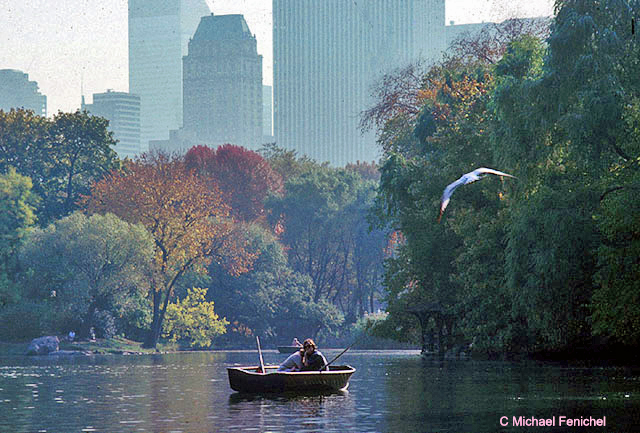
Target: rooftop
{"x": 222, "y": 27}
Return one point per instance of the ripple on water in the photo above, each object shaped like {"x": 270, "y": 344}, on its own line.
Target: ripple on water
{"x": 387, "y": 393}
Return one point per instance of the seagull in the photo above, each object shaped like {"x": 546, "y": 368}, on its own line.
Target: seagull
{"x": 467, "y": 178}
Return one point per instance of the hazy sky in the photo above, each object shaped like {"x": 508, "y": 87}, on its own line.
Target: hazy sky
{"x": 68, "y": 44}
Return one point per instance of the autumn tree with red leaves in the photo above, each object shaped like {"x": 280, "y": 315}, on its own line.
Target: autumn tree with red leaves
{"x": 189, "y": 222}
{"x": 243, "y": 176}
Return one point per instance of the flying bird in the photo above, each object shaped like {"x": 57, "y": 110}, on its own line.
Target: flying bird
{"x": 467, "y": 178}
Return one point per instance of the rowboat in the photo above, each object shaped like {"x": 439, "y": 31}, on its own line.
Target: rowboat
{"x": 248, "y": 379}
{"x": 288, "y": 349}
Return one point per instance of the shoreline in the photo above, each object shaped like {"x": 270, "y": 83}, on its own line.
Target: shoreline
{"x": 611, "y": 356}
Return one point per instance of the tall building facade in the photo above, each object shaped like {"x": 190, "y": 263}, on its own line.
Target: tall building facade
{"x": 122, "y": 110}
{"x": 223, "y": 84}
{"x": 159, "y": 31}
{"x": 329, "y": 54}
{"x": 16, "y": 91}
{"x": 267, "y": 114}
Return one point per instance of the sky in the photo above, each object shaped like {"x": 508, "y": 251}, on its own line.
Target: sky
{"x": 71, "y": 47}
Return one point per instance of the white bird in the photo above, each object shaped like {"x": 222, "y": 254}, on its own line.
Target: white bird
{"x": 467, "y": 178}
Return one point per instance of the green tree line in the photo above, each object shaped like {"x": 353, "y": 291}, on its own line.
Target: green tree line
{"x": 278, "y": 243}
{"x": 548, "y": 261}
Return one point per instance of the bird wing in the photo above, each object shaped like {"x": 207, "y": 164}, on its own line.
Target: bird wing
{"x": 448, "y": 191}
{"x": 484, "y": 170}
{"x": 466, "y": 178}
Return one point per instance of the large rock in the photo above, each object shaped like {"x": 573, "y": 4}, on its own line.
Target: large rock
{"x": 43, "y": 345}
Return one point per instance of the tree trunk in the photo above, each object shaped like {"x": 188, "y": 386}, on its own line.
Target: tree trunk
{"x": 153, "y": 335}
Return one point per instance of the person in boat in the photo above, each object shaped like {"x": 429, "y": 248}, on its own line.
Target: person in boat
{"x": 313, "y": 359}
{"x": 296, "y": 343}
{"x": 293, "y": 362}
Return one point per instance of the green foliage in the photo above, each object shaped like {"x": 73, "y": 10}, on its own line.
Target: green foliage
{"x": 17, "y": 216}
{"x": 83, "y": 265}
{"x": 522, "y": 59}
{"x": 270, "y": 300}
{"x": 550, "y": 245}
{"x": 192, "y": 319}
{"x": 324, "y": 216}
{"x": 616, "y": 301}
{"x": 368, "y": 322}
{"x": 24, "y": 321}
{"x": 17, "y": 204}
{"x": 63, "y": 156}
{"x": 24, "y": 143}
{"x": 547, "y": 261}
{"x": 285, "y": 162}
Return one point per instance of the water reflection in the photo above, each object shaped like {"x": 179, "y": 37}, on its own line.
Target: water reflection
{"x": 291, "y": 412}
{"x": 390, "y": 392}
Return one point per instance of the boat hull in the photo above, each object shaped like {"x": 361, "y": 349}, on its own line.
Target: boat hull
{"x": 247, "y": 379}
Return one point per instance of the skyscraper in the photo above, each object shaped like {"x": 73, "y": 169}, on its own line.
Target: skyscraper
{"x": 16, "y": 91}
{"x": 328, "y": 55}
{"x": 267, "y": 114}
{"x": 159, "y": 31}
{"x": 122, "y": 110}
{"x": 223, "y": 84}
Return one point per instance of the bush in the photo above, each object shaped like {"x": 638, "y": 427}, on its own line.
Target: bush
{"x": 104, "y": 324}
{"x": 193, "y": 320}
{"x": 24, "y": 321}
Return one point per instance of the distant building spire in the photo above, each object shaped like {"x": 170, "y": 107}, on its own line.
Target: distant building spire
{"x": 82, "y": 103}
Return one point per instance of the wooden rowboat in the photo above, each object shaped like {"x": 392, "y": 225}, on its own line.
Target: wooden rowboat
{"x": 288, "y": 349}
{"x": 247, "y": 379}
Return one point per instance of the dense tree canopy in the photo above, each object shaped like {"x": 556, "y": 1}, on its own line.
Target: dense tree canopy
{"x": 187, "y": 218}
{"x": 91, "y": 270}
{"x": 543, "y": 262}
{"x": 271, "y": 300}
{"x": 63, "y": 156}
{"x": 243, "y": 176}
{"x": 323, "y": 215}
{"x": 17, "y": 216}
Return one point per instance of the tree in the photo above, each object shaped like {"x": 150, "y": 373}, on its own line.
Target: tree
{"x": 270, "y": 300}
{"x": 194, "y": 320}
{"x": 287, "y": 163}
{"x": 187, "y": 218}
{"x": 313, "y": 212}
{"x": 17, "y": 216}
{"x": 532, "y": 264}
{"x": 617, "y": 295}
{"x": 244, "y": 176}
{"x": 367, "y": 171}
{"x": 442, "y": 273}
{"x": 596, "y": 122}
{"x": 490, "y": 44}
{"x": 368, "y": 253}
{"x": 62, "y": 156}
{"x": 82, "y": 153}
{"x": 24, "y": 143}
{"x": 85, "y": 267}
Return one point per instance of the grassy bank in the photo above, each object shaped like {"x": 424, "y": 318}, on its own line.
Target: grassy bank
{"x": 116, "y": 345}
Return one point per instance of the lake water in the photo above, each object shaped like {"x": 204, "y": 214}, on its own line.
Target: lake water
{"x": 391, "y": 391}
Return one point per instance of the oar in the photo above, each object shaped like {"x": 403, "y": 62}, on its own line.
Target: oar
{"x": 260, "y": 353}
{"x": 364, "y": 334}
{"x": 340, "y": 354}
